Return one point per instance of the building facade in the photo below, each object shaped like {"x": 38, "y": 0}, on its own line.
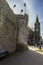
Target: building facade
{"x": 34, "y": 36}
{"x": 37, "y": 30}
{"x": 30, "y": 36}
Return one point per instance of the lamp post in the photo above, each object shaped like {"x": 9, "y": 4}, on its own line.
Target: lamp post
{"x": 22, "y": 9}
{"x": 25, "y": 7}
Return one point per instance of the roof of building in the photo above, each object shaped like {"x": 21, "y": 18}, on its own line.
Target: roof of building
{"x": 37, "y": 20}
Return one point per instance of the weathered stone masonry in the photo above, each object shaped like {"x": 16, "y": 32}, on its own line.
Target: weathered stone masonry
{"x": 22, "y": 28}
{"x": 8, "y": 27}
{"x": 13, "y": 28}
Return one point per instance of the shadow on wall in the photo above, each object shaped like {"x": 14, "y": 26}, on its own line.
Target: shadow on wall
{"x": 21, "y": 47}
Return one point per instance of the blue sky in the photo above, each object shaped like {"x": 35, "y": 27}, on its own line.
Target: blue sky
{"x": 33, "y": 7}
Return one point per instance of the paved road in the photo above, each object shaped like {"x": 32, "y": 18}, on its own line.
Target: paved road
{"x": 35, "y": 49}
{"x": 23, "y": 58}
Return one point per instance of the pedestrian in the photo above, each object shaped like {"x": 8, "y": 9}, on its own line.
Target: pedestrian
{"x": 40, "y": 46}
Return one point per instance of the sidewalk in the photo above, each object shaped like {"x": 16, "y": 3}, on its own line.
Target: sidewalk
{"x": 34, "y": 48}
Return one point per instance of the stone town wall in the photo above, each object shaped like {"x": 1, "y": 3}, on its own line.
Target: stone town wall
{"x": 8, "y": 27}
{"x": 13, "y": 28}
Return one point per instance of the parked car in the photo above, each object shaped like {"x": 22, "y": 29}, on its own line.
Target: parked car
{"x": 4, "y": 53}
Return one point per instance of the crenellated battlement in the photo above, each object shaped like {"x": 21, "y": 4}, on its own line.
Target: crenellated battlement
{"x": 25, "y": 16}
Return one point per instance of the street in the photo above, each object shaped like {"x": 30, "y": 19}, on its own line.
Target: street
{"x": 23, "y": 58}
{"x": 36, "y": 49}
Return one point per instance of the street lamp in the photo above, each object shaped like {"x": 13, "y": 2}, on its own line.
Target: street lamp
{"x": 25, "y": 7}
{"x": 22, "y": 9}
{"x": 14, "y": 6}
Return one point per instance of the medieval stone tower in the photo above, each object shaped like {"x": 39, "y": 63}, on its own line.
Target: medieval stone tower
{"x": 22, "y": 28}
{"x": 37, "y": 30}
